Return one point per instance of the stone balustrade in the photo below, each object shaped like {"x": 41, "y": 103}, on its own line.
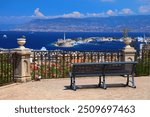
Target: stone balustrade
{"x": 22, "y": 68}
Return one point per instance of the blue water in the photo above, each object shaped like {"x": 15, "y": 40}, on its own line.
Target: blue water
{"x": 37, "y": 40}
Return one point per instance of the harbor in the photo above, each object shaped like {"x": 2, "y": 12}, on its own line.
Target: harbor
{"x": 68, "y": 42}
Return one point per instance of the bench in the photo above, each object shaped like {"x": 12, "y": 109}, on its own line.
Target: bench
{"x": 103, "y": 69}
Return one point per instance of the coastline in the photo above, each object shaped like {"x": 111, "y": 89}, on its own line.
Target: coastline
{"x": 37, "y": 40}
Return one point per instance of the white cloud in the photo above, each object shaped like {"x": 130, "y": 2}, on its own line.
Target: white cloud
{"x": 111, "y": 12}
{"x": 144, "y": 9}
{"x": 126, "y": 11}
{"x": 145, "y": 6}
{"x": 74, "y": 14}
{"x": 38, "y": 13}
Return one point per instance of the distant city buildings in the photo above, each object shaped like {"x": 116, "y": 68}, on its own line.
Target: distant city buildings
{"x": 73, "y": 42}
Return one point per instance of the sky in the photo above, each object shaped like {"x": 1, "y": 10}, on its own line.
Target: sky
{"x": 24, "y": 10}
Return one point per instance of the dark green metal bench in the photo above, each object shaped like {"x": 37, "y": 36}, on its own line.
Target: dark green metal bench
{"x": 103, "y": 69}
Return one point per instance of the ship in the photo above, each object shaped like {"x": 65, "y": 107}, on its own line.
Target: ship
{"x": 4, "y": 36}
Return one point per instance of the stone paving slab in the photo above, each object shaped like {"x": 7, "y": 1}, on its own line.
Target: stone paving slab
{"x": 55, "y": 89}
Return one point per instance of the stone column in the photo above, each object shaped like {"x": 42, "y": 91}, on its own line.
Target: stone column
{"x": 22, "y": 62}
{"x": 128, "y": 52}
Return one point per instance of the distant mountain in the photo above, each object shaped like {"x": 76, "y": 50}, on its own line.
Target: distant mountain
{"x": 92, "y": 24}
{"x": 7, "y": 26}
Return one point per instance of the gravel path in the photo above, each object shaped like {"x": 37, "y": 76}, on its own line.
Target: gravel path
{"x": 48, "y": 89}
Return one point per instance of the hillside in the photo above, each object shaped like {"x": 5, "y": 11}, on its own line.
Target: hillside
{"x": 93, "y": 24}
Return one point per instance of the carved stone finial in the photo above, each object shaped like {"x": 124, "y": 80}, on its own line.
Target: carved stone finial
{"x": 127, "y": 41}
{"x": 21, "y": 41}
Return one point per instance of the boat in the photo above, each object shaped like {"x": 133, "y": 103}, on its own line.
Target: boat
{"x": 43, "y": 49}
{"x": 4, "y": 36}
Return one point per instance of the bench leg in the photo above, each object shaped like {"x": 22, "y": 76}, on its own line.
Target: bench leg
{"x": 130, "y": 80}
{"x": 99, "y": 81}
{"x": 74, "y": 84}
{"x": 133, "y": 82}
{"x": 127, "y": 80}
{"x": 104, "y": 84}
{"x": 71, "y": 82}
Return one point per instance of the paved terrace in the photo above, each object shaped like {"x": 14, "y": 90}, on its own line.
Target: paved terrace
{"x": 56, "y": 89}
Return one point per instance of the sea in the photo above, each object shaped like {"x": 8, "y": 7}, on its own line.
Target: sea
{"x": 38, "y": 40}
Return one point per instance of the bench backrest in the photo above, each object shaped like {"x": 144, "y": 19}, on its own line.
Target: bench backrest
{"x": 86, "y": 68}
{"x": 120, "y": 67}
{"x": 99, "y": 68}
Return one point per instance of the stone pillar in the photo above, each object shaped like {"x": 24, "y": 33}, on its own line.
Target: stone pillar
{"x": 22, "y": 64}
{"x": 128, "y": 52}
